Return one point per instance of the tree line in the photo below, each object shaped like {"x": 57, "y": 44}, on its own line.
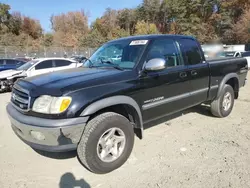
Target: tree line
{"x": 226, "y": 21}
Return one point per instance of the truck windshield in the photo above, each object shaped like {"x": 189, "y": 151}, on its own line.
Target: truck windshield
{"x": 125, "y": 54}
{"x": 27, "y": 65}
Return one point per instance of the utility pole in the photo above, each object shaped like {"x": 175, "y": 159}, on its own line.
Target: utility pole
{"x": 5, "y": 52}
{"x": 27, "y": 46}
{"x": 44, "y": 48}
{"x": 45, "y": 53}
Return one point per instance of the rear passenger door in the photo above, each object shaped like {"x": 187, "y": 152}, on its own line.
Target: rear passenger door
{"x": 63, "y": 64}
{"x": 42, "y": 68}
{"x": 198, "y": 69}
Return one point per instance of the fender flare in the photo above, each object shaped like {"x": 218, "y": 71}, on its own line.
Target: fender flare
{"x": 224, "y": 81}
{"x": 111, "y": 101}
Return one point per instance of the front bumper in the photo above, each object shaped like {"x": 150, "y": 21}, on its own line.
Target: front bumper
{"x": 54, "y": 135}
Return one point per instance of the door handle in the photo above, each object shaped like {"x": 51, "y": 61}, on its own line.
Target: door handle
{"x": 194, "y": 72}
{"x": 183, "y": 74}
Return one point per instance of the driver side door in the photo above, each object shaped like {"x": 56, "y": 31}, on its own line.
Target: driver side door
{"x": 167, "y": 91}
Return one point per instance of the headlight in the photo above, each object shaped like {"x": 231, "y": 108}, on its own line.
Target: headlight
{"x": 51, "y": 105}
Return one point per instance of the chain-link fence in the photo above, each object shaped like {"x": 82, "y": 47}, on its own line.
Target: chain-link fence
{"x": 12, "y": 52}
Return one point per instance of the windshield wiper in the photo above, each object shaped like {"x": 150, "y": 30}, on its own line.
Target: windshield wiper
{"x": 91, "y": 63}
{"x": 113, "y": 65}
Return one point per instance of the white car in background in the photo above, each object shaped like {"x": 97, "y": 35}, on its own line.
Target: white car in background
{"x": 33, "y": 68}
{"x": 245, "y": 55}
{"x": 117, "y": 58}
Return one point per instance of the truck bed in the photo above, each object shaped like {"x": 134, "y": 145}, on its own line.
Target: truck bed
{"x": 219, "y": 68}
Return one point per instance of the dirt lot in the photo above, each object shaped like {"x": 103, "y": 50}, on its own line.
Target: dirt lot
{"x": 190, "y": 150}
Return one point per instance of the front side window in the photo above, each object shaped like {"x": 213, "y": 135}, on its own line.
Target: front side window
{"x": 165, "y": 49}
{"x": 27, "y": 65}
{"x": 44, "y": 65}
{"x": 190, "y": 51}
{"x": 124, "y": 53}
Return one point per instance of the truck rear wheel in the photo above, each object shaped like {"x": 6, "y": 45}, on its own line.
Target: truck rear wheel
{"x": 223, "y": 106}
{"x": 106, "y": 143}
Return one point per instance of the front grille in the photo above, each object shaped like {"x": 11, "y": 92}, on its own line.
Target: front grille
{"x": 20, "y": 98}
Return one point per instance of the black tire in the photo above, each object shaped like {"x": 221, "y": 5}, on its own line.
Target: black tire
{"x": 87, "y": 147}
{"x": 217, "y": 105}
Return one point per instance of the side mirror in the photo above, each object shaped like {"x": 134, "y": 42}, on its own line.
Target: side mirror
{"x": 155, "y": 64}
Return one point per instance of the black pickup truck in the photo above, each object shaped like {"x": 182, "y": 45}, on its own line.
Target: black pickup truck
{"x": 126, "y": 83}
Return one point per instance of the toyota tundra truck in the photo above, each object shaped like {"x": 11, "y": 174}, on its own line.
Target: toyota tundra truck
{"x": 98, "y": 109}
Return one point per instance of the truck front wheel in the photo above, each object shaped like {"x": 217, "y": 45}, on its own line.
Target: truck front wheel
{"x": 223, "y": 106}
{"x": 106, "y": 143}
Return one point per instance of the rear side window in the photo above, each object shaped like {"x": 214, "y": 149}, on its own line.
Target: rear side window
{"x": 62, "y": 63}
{"x": 10, "y": 62}
{"x": 1, "y": 61}
{"x": 190, "y": 51}
{"x": 166, "y": 49}
{"x": 44, "y": 65}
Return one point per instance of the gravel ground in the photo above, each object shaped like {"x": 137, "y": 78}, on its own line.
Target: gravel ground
{"x": 191, "y": 149}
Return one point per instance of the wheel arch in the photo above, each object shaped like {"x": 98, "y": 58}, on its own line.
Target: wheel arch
{"x": 231, "y": 79}
{"x": 123, "y": 105}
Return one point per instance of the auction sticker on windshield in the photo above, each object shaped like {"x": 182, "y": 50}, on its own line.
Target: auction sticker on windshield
{"x": 138, "y": 42}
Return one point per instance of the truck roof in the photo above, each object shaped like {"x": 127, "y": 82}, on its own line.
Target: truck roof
{"x": 148, "y": 37}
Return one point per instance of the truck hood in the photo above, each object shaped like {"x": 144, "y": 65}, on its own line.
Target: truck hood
{"x": 59, "y": 82}
{"x": 9, "y": 73}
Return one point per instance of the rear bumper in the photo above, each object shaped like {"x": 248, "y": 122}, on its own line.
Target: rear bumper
{"x": 54, "y": 135}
